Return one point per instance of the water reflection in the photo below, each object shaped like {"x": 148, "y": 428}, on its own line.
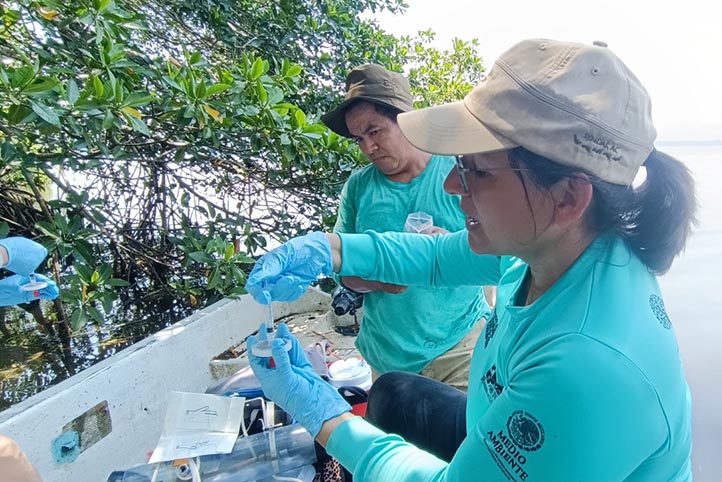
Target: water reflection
{"x": 32, "y": 361}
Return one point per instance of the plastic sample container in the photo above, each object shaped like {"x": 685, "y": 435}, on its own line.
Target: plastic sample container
{"x": 254, "y": 458}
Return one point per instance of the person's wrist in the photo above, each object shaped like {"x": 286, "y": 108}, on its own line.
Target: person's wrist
{"x": 330, "y": 425}
{"x": 3, "y": 256}
{"x": 335, "y": 241}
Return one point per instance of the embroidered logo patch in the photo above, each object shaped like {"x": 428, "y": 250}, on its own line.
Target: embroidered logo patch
{"x": 525, "y": 430}
{"x": 657, "y": 305}
{"x": 490, "y": 328}
{"x": 596, "y": 145}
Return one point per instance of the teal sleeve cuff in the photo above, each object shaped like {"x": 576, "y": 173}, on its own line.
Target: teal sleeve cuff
{"x": 372, "y": 455}
{"x": 346, "y": 441}
{"x": 358, "y": 255}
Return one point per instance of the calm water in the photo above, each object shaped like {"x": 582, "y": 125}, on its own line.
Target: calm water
{"x": 693, "y": 297}
{"x": 31, "y": 361}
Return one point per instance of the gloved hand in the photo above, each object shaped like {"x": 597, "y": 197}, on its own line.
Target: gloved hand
{"x": 293, "y": 384}
{"x": 24, "y": 255}
{"x": 11, "y": 292}
{"x": 285, "y": 272}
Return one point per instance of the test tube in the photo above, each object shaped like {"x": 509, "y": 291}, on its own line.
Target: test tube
{"x": 263, "y": 347}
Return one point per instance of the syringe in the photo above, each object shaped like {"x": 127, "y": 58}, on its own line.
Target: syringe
{"x": 270, "y": 334}
{"x": 34, "y": 285}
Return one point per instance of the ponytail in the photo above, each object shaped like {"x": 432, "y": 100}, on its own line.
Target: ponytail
{"x": 655, "y": 218}
{"x": 664, "y": 214}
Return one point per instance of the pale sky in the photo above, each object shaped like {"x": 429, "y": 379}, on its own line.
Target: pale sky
{"x": 676, "y": 51}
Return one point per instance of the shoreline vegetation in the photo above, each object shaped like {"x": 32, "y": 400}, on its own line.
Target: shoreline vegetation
{"x": 157, "y": 148}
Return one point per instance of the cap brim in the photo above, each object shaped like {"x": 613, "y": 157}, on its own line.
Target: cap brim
{"x": 450, "y": 129}
{"x": 336, "y": 119}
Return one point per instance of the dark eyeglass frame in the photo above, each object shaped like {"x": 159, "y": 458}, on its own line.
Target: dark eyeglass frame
{"x": 462, "y": 170}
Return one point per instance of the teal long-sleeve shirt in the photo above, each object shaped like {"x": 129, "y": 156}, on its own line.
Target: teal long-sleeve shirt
{"x": 409, "y": 330}
{"x": 585, "y": 384}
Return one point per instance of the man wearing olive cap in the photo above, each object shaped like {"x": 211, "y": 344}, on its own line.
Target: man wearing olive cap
{"x": 427, "y": 331}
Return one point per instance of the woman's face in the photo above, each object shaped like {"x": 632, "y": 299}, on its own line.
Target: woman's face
{"x": 501, "y": 216}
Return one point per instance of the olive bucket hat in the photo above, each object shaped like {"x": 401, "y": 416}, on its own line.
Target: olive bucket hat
{"x": 372, "y": 83}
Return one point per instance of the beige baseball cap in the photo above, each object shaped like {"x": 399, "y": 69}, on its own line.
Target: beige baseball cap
{"x": 372, "y": 83}
{"x": 575, "y": 104}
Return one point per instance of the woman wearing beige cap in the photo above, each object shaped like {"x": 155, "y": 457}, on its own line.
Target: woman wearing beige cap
{"x": 577, "y": 376}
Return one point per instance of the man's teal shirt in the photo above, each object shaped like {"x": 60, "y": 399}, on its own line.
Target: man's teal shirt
{"x": 407, "y": 331}
{"x": 585, "y": 384}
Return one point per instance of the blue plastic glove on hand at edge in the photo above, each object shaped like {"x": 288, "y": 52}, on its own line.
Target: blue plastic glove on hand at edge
{"x": 285, "y": 272}
{"x": 24, "y": 255}
{"x": 11, "y": 292}
{"x": 293, "y": 384}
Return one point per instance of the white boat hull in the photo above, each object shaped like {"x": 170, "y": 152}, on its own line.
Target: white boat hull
{"x": 126, "y": 394}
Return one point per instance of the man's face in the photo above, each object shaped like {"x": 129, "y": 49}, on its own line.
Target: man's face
{"x": 380, "y": 139}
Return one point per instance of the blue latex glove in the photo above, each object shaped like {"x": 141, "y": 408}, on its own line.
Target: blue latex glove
{"x": 11, "y": 292}
{"x": 293, "y": 384}
{"x": 24, "y": 255}
{"x": 285, "y": 272}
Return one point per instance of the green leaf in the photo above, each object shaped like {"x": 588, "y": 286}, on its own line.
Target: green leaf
{"x": 216, "y": 88}
{"x": 201, "y": 90}
{"x": 95, "y": 314}
{"x": 244, "y": 259}
{"x": 20, "y": 114}
{"x": 201, "y": 257}
{"x": 138, "y": 99}
{"x": 84, "y": 272}
{"x": 107, "y": 301}
{"x": 257, "y": 69}
{"x": 45, "y": 113}
{"x": 73, "y": 92}
{"x": 22, "y": 76}
{"x": 293, "y": 71}
{"x": 300, "y": 118}
{"x": 108, "y": 119}
{"x": 138, "y": 125}
{"x": 103, "y": 5}
{"x": 230, "y": 251}
{"x": 275, "y": 96}
{"x": 48, "y": 228}
{"x": 77, "y": 319}
{"x": 84, "y": 251}
{"x": 105, "y": 271}
{"x": 118, "y": 282}
{"x": 238, "y": 275}
{"x": 168, "y": 80}
{"x": 98, "y": 86}
{"x": 214, "y": 279}
{"x": 44, "y": 86}
{"x": 237, "y": 291}
{"x": 262, "y": 94}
